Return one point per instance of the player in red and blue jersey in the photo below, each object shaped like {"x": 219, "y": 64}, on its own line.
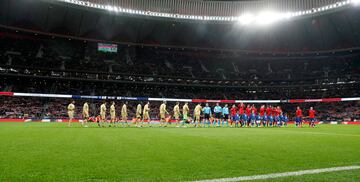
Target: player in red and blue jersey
{"x": 274, "y": 112}
{"x": 285, "y": 120}
{"x": 233, "y": 113}
{"x": 270, "y": 118}
{"x": 241, "y": 108}
{"x": 298, "y": 119}
{"x": 253, "y": 111}
{"x": 262, "y": 115}
{"x": 247, "y": 113}
{"x": 279, "y": 116}
{"x": 312, "y": 117}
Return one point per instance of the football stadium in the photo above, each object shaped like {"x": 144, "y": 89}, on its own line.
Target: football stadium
{"x": 180, "y": 90}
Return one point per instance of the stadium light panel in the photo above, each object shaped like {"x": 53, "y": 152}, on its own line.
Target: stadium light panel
{"x": 268, "y": 17}
{"x": 263, "y": 18}
{"x": 110, "y": 8}
{"x": 246, "y": 19}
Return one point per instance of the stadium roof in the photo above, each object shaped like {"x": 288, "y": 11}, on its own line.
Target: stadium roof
{"x": 333, "y": 30}
{"x": 246, "y": 12}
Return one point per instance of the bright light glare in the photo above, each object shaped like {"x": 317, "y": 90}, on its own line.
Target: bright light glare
{"x": 246, "y": 19}
{"x": 355, "y": 2}
{"x": 268, "y": 17}
{"x": 263, "y": 18}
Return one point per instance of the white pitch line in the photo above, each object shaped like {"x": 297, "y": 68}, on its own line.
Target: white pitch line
{"x": 279, "y": 175}
{"x": 321, "y": 133}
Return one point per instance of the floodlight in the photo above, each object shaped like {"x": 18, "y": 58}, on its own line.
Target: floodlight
{"x": 268, "y": 17}
{"x": 246, "y": 19}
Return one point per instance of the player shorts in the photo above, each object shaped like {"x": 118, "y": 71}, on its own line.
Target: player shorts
{"x": 218, "y": 115}
{"x": 185, "y": 117}
{"x": 271, "y": 118}
{"x": 176, "y": 116}
{"x": 85, "y": 115}
{"x": 258, "y": 118}
{"x": 71, "y": 114}
{"x": 146, "y": 116}
{"x": 112, "y": 115}
{"x": 138, "y": 116}
{"x": 162, "y": 116}
{"x": 207, "y": 116}
{"x": 298, "y": 120}
{"x": 234, "y": 118}
{"x": 197, "y": 117}
{"x": 277, "y": 118}
{"x": 124, "y": 117}
{"x": 226, "y": 116}
{"x": 265, "y": 118}
{"x": 252, "y": 117}
{"x": 102, "y": 116}
{"x": 244, "y": 117}
{"x": 312, "y": 120}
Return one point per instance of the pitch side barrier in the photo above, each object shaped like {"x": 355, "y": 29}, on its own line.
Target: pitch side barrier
{"x": 40, "y": 95}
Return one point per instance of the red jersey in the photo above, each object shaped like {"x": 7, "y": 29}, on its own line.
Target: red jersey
{"x": 274, "y": 112}
{"x": 233, "y": 111}
{"x": 268, "y": 111}
{"x": 279, "y": 111}
{"x": 248, "y": 111}
{"x": 253, "y": 109}
{"x": 298, "y": 113}
{"x": 311, "y": 113}
{"x": 241, "y": 109}
{"x": 262, "y": 111}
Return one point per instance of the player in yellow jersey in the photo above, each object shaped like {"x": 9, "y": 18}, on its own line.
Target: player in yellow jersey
{"x": 185, "y": 112}
{"x": 138, "y": 115}
{"x": 112, "y": 114}
{"x": 71, "y": 109}
{"x": 85, "y": 114}
{"x": 176, "y": 111}
{"x": 163, "y": 113}
{"x": 197, "y": 113}
{"x": 146, "y": 116}
{"x": 103, "y": 114}
{"x": 124, "y": 114}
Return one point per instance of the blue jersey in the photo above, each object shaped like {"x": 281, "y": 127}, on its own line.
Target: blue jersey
{"x": 225, "y": 111}
{"x": 217, "y": 109}
{"x": 207, "y": 110}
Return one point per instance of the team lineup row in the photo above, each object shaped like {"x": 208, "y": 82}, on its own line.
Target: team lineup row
{"x": 240, "y": 116}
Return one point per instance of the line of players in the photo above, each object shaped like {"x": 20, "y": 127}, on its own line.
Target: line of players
{"x": 238, "y": 116}
{"x": 249, "y": 116}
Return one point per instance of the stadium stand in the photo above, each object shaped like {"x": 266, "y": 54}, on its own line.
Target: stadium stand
{"x": 43, "y": 64}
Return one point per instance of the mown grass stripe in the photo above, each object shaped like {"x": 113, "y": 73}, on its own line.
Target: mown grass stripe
{"x": 279, "y": 175}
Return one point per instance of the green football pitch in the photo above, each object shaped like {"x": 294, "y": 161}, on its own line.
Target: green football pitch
{"x": 54, "y": 152}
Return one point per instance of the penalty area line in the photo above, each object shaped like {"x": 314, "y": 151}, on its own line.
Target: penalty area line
{"x": 279, "y": 175}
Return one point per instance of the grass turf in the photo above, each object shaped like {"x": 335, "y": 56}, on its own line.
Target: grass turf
{"x": 53, "y": 152}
